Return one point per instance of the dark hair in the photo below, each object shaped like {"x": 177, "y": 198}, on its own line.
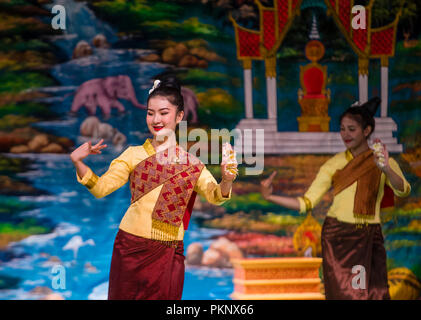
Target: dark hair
{"x": 363, "y": 114}
{"x": 170, "y": 88}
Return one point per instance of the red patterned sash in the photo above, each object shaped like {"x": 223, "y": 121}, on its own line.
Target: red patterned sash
{"x": 177, "y": 195}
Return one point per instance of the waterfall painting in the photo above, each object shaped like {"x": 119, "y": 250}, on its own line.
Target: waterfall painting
{"x": 75, "y": 71}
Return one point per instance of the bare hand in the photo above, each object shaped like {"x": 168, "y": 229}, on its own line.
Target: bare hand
{"x": 87, "y": 149}
{"x": 266, "y": 187}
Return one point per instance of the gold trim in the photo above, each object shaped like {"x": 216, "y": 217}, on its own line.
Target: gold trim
{"x": 348, "y": 36}
{"x": 278, "y": 37}
{"x": 363, "y": 65}
{"x": 247, "y": 64}
{"x": 384, "y": 61}
{"x": 92, "y": 181}
{"x": 265, "y": 282}
{"x": 368, "y": 9}
{"x": 149, "y": 147}
{"x": 287, "y": 262}
{"x": 395, "y": 26}
{"x": 237, "y": 40}
{"x": 342, "y": 28}
{"x": 291, "y": 16}
{"x": 348, "y": 155}
{"x": 270, "y": 64}
{"x": 273, "y": 9}
{"x": 163, "y": 231}
{"x": 305, "y": 122}
{"x": 309, "y": 206}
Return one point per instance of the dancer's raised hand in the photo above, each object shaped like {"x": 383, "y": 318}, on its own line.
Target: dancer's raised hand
{"x": 87, "y": 149}
{"x": 229, "y": 171}
{"x": 381, "y": 155}
{"x": 266, "y": 187}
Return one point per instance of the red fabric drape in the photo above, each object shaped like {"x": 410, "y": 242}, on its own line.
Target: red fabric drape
{"x": 144, "y": 269}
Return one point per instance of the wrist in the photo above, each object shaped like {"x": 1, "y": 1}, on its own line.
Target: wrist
{"x": 74, "y": 160}
{"x": 267, "y": 197}
{"x": 386, "y": 169}
{"x": 225, "y": 181}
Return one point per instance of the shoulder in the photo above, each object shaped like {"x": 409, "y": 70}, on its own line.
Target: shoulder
{"x": 132, "y": 155}
{"x": 337, "y": 161}
{"x": 341, "y": 156}
{"x": 141, "y": 151}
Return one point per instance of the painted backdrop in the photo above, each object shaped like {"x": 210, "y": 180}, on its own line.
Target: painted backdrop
{"x": 60, "y": 88}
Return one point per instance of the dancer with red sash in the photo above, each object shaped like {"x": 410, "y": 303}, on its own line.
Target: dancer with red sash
{"x": 363, "y": 181}
{"x": 147, "y": 260}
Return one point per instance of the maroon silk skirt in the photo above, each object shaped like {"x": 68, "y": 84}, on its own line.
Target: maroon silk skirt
{"x": 345, "y": 248}
{"x": 145, "y": 269}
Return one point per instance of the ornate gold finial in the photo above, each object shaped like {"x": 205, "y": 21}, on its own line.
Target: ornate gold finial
{"x": 314, "y": 50}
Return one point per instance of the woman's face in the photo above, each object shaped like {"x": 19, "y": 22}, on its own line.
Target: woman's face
{"x": 352, "y": 133}
{"x": 162, "y": 115}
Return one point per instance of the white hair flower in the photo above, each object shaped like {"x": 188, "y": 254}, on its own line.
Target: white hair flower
{"x": 155, "y": 85}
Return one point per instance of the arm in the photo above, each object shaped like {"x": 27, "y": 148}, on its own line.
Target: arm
{"x": 267, "y": 189}
{"x": 81, "y": 168}
{"x": 81, "y": 153}
{"x": 287, "y": 202}
{"x": 214, "y": 193}
{"x": 394, "y": 176}
{"x": 396, "y": 180}
{"x": 115, "y": 177}
{"x": 311, "y": 198}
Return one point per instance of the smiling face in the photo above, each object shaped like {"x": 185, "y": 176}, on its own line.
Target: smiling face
{"x": 353, "y": 134}
{"x": 162, "y": 116}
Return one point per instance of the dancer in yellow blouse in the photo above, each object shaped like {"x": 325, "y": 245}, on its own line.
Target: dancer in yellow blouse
{"x": 148, "y": 260}
{"x": 351, "y": 233}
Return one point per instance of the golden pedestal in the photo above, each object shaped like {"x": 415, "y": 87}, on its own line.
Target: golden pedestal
{"x": 277, "y": 279}
{"x": 313, "y": 124}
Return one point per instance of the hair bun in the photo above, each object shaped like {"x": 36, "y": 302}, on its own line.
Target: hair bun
{"x": 372, "y": 105}
{"x": 169, "y": 81}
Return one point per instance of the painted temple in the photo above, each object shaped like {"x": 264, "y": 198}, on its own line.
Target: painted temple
{"x": 313, "y": 96}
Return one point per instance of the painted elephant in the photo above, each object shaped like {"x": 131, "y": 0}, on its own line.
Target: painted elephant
{"x": 105, "y": 92}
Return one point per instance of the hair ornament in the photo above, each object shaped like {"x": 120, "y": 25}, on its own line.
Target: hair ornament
{"x": 155, "y": 85}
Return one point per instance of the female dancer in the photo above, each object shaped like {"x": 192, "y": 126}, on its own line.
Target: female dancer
{"x": 147, "y": 260}
{"x": 354, "y": 257}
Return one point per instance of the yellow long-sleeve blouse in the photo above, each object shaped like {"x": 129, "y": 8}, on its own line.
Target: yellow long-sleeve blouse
{"x": 343, "y": 203}
{"x": 138, "y": 218}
